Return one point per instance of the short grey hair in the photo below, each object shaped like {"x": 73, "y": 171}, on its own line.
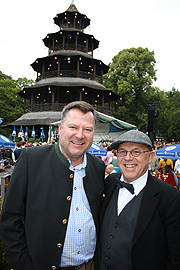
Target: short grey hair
{"x": 83, "y": 106}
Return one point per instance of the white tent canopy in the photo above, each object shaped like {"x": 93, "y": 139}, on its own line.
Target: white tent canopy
{"x": 107, "y": 128}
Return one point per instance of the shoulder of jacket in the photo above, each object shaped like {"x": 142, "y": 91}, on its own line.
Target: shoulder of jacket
{"x": 38, "y": 149}
{"x": 94, "y": 158}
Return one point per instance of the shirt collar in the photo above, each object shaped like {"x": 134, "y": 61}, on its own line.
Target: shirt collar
{"x": 139, "y": 183}
{"x": 80, "y": 166}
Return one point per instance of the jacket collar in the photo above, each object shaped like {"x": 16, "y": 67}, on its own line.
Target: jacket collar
{"x": 63, "y": 159}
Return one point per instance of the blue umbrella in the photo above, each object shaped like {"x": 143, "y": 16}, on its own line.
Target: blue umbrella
{"x": 26, "y": 133}
{"x": 6, "y": 143}
{"x": 170, "y": 151}
{"x": 97, "y": 150}
{"x": 14, "y": 132}
{"x": 33, "y": 134}
{"x": 42, "y": 134}
{"x": 21, "y": 129}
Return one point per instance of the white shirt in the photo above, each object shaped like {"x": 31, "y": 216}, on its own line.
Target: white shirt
{"x": 124, "y": 196}
{"x": 177, "y": 166}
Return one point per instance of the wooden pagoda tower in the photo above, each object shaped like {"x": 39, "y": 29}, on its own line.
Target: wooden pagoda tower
{"x": 68, "y": 73}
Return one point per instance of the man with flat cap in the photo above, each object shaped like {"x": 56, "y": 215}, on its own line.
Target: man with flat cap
{"x": 141, "y": 217}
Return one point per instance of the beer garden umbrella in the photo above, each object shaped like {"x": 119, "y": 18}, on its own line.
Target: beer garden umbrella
{"x": 170, "y": 151}
{"x": 26, "y": 133}
{"x": 21, "y": 129}
{"x": 33, "y": 134}
{"x": 42, "y": 134}
{"x": 97, "y": 150}
{"x": 14, "y": 132}
{"x": 6, "y": 142}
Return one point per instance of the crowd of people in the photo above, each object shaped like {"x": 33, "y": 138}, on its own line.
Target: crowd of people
{"x": 60, "y": 212}
{"x": 163, "y": 168}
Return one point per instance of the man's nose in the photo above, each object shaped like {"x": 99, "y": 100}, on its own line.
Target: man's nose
{"x": 80, "y": 133}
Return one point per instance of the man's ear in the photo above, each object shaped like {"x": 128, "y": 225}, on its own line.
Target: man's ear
{"x": 152, "y": 154}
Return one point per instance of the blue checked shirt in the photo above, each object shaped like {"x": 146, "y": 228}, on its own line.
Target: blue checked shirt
{"x": 80, "y": 240}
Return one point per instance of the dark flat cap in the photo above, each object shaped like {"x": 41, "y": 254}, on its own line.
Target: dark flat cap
{"x": 133, "y": 136}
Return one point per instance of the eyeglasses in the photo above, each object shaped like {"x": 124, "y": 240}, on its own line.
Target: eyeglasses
{"x": 134, "y": 153}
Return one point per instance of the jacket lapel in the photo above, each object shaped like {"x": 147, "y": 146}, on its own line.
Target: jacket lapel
{"x": 110, "y": 186}
{"x": 149, "y": 203}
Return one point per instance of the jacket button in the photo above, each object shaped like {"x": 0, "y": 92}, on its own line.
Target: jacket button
{"x": 53, "y": 267}
{"x": 104, "y": 195}
{"x": 68, "y": 198}
{"x": 64, "y": 221}
{"x": 71, "y": 175}
{"x": 59, "y": 245}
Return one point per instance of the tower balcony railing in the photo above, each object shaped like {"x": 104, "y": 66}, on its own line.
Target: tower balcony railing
{"x": 71, "y": 25}
{"x": 70, "y": 47}
{"x": 58, "y": 107}
{"x": 70, "y": 74}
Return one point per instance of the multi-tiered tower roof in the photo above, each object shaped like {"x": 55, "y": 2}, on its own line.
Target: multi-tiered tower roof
{"x": 68, "y": 73}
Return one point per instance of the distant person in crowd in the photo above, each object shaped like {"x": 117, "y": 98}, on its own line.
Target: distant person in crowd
{"x": 24, "y": 144}
{"x": 177, "y": 166}
{"x": 114, "y": 158}
{"x": 165, "y": 161}
{"x": 55, "y": 136}
{"x": 106, "y": 174}
{"x": 154, "y": 163}
{"x": 18, "y": 150}
{"x": 168, "y": 176}
{"x": 51, "y": 212}
{"x": 21, "y": 136}
{"x": 108, "y": 158}
{"x": 114, "y": 161}
{"x": 110, "y": 169}
{"x": 140, "y": 216}
{"x": 175, "y": 178}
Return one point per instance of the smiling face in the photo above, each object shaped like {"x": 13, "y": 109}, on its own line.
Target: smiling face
{"x": 76, "y": 135}
{"x": 134, "y": 167}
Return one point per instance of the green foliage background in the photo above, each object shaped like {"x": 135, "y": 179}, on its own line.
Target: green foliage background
{"x": 11, "y": 104}
{"x": 131, "y": 75}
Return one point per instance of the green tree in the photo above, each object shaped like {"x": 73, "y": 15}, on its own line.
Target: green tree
{"x": 131, "y": 75}
{"x": 22, "y": 83}
{"x": 11, "y": 104}
{"x": 173, "y": 115}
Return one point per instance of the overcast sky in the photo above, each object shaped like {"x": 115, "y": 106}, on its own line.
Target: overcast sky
{"x": 116, "y": 24}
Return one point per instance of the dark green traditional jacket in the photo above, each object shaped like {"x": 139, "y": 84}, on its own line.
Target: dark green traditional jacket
{"x": 37, "y": 205}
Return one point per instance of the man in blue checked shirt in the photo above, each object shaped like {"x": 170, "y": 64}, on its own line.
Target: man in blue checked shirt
{"x": 50, "y": 216}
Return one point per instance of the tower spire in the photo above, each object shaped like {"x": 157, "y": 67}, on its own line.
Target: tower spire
{"x": 72, "y": 2}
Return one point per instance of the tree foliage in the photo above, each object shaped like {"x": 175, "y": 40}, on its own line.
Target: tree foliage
{"x": 131, "y": 75}
{"x": 168, "y": 122}
{"x": 11, "y": 104}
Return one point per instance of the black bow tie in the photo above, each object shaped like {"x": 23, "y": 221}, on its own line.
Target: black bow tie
{"x": 121, "y": 184}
